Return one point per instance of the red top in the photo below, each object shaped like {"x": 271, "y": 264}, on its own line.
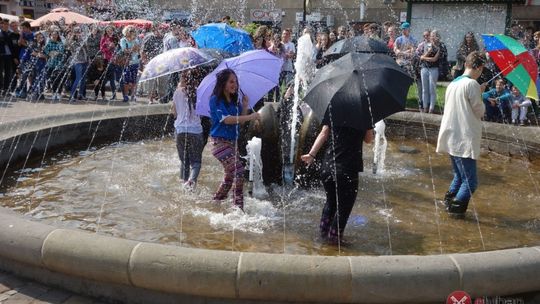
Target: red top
{"x": 107, "y": 46}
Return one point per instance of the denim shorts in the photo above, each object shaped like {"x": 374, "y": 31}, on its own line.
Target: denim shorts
{"x": 130, "y": 73}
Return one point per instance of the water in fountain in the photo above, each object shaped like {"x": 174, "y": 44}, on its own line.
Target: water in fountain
{"x": 255, "y": 168}
{"x": 379, "y": 149}
{"x": 305, "y": 70}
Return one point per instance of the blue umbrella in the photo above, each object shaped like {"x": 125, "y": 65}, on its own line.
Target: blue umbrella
{"x": 224, "y": 37}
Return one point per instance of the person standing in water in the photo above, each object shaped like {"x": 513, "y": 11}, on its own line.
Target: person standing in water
{"x": 227, "y": 115}
{"x": 189, "y": 131}
{"x": 342, "y": 162}
{"x": 461, "y": 132}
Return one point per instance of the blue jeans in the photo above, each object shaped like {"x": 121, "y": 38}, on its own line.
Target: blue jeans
{"x": 26, "y": 68}
{"x": 500, "y": 111}
{"x": 465, "y": 178}
{"x": 429, "y": 78}
{"x": 80, "y": 80}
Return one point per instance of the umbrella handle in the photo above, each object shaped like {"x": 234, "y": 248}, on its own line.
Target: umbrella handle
{"x": 243, "y": 94}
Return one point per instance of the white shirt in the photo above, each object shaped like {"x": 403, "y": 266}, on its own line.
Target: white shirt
{"x": 461, "y": 126}
{"x": 288, "y": 63}
{"x": 186, "y": 120}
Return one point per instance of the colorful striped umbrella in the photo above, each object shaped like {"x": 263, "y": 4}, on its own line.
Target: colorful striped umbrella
{"x": 515, "y": 62}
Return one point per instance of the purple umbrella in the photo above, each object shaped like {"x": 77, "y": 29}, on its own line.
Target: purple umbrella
{"x": 257, "y": 71}
{"x": 174, "y": 61}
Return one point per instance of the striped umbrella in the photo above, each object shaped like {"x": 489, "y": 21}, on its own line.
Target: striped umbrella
{"x": 515, "y": 63}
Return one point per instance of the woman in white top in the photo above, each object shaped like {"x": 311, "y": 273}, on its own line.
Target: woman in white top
{"x": 189, "y": 131}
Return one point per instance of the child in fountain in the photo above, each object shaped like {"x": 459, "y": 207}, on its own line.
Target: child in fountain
{"x": 189, "y": 131}
{"x": 227, "y": 114}
{"x": 341, "y": 164}
{"x": 461, "y": 132}
{"x": 520, "y": 106}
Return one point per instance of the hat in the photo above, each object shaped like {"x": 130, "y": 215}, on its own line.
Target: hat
{"x": 405, "y": 25}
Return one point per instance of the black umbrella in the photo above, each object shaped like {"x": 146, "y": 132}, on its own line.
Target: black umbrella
{"x": 361, "y": 90}
{"x": 359, "y": 44}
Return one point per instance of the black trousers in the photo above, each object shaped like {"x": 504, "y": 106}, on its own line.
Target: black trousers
{"x": 7, "y": 68}
{"x": 340, "y": 198}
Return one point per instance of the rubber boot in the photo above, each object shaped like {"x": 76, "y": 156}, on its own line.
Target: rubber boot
{"x": 457, "y": 208}
{"x": 448, "y": 197}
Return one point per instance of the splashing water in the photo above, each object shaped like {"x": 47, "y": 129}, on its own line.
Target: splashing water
{"x": 305, "y": 70}
{"x": 379, "y": 149}
{"x": 253, "y": 148}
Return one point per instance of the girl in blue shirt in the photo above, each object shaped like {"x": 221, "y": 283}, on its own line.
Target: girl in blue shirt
{"x": 227, "y": 114}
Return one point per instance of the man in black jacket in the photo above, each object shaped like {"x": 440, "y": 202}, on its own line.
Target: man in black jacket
{"x": 6, "y": 57}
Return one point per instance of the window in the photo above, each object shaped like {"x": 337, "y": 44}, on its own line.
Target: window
{"x": 26, "y": 3}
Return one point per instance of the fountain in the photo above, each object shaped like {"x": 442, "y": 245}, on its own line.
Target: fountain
{"x": 255, "y": 168}
{"x": 64, "y": 190}
{"x": 379, "y": 149}
{"x": 305, "y": 69}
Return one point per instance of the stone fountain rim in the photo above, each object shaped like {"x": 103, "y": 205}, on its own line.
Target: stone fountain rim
{"x": 255, "y": 276}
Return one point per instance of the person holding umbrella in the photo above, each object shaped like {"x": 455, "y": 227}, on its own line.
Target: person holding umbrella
{"x": 227, "y": 114}
{"x": 342, "y": 161}
{"x": 461, "y": 132}
{"x": 350, "y": 95}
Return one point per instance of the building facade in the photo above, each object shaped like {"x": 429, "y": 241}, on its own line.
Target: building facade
{"x": 287, "y": 13}
{"x": 28, "y": 8}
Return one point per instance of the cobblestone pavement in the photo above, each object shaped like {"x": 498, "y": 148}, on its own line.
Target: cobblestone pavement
{"x": 15, "y": 290}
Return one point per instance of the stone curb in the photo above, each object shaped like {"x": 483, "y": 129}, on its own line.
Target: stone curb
{"x": 12, "y": 129}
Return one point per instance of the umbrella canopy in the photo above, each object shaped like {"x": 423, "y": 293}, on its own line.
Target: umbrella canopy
{"x": 139, "y": 23}
{"x": 358, "y": 44}
{"x": 217, "y": 54}
{"x": 257, "y": 71}
{"x": 224, "y": 37}
{"x": 515, "y": 63}
{"x": 173, "y": 61}
{"x": 59, "y": 13}
{"x": 13, "y": 18}
{"x": 359, "y": 90}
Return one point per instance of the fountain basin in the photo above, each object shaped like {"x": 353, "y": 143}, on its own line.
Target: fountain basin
{"x": 141, "y": 272}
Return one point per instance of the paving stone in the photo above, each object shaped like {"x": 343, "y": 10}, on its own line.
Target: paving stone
{"x": 19, "y": 298}
{"x": 3, "y": 288}
{"x": 55, "y": 296}
{"x": 12, "y": 282}
{"x": 79, "y": 300}
{"x": 4, "y": 297}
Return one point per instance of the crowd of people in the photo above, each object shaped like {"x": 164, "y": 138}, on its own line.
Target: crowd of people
{"x": 61, "y": 59}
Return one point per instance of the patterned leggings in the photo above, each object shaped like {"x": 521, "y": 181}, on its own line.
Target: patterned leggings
{"x": 226, "y": 152}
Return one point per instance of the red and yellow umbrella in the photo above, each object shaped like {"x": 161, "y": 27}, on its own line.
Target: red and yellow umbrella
{"x": 515, "y": 62}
